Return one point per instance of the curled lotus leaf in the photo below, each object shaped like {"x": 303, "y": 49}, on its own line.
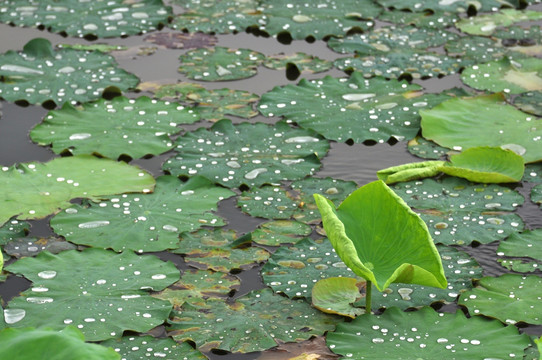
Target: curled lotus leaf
{"x": 526, "y": 245}
{"x": 139, "y": 348}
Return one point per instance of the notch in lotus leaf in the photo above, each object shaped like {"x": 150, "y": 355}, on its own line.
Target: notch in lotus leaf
{"x": 381, "y": 239}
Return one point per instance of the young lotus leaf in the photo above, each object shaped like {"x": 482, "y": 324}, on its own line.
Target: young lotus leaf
{"x": 330, "y": 17}
{"x": 39, "y": 74}
{"x": 112, "y": 128}
{"x": 35, "y": 190}
{"x": 294, "y": 270}
{"x": 509, "y": 298}
{"x": 251, "y": 154}
{"x": 527, "y": 244}
{"x": 426, "y": 334}
{"x": 459, "y": 268}
{"x": 99, "y": 291}
{"x": 336, "y": 295}
{"x": 457, "y": 6}
{"x": 303, "y": 62}
{"x": 45, "y": 343}
{"x": 99, "y": 18}
{"x": 380, "y": 251}
{"x": 488, "y": 23}
{"x": 177, "y": 40}
{"x": 458, "y": 213}
{"x": 426, "y": 149}
{"x": 355, "y": 108}
{"x": 427, "y": 19}
{"x": 220, "y": 63}
{"x": 196, "y": 286}
{"x": 530, "y": 102}
{"x": 256, "y": 322}
{"x": 275, "y": 233}
{"x": 144, "y": 222}
{"x": 511, "y": 76}
{"x": 143, "y": 347}
{"x": 219, "y": 250}
{"x": 483, "y": 121}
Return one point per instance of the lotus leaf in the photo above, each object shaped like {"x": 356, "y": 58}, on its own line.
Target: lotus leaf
{"x": 520, "y": 40}
{"x": 426, "y": 334}
{"x": 258, "y": 321}
{"x": 533, "y": 173}
{"x": 536, "y": 194}
{"x": 25, "y": 246}
{"x": 355, "y": 108}
{"x": 509, "y": 298}
{"x": 99, "y": 18}
{"x": 483, "y": 121}
{"x": 427, "y": 19}
{"x": 178, "y": 40}
{"x": 486, "y": 24}
{"x": 458, "y": 6}
{"x": 197, "y": 286}
{"x": 527, "y": 244}
{"x": 219, "y": 250}
{"x": 220, "y": 63}
{"x": 45, "y": 343}
{"x": 458, "y": 213}
{"x": 35, "y": 190}
{"x": 71, "y": 76}
{"x": 303, "y": 62}
{"x": 530, "y": 102}
{"x": 99, "y": 291}
{"x": 105, "y": 48}
{"x": 476, "y": 49}
{"x": 112, "y": 128}
{"x": 330, "y": 17}
{"x": 275, "y": 233}
{"x": 294, "y": 270}
{"x": 251, "y": 154}
{"x": 144, "y": 222}
{"x": 270, "y": 202}
{"x": 426, "y": 149}
{"x": 336, "y": 295}
{"x": 143, "y": 347}
{"x": 13, "y": 230}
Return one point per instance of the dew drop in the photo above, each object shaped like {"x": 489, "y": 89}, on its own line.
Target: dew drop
{"x": 357, "y": 97}
{"x": 254, "y": 173}
{"x": 47, "y": 274}
{"x": 93, "y": 224}
{"x": 11, "y": 316}
{"x": 80, "y": 136}
{"x": 301, "y": 139}
{"x": 170, "y": 228}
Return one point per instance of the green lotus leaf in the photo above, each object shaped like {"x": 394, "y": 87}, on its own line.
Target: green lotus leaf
{"x": 219, "y": 250}
{"x": 511, "y": 76}
{"x": 483, "y": 121}
{"x": 530, "y": 102}
{"x": 294, "y": 270}
{"x": 99, "y": 291}
{"x": 35, "y": 190}
{"x": 458, "y": 213}
{"x": 256, "y": 322}
{"x": 251, "y": 154}
{"x": 70, "y": 75}
{"x": 521, "y": 40}
{"x": 112, "y": 128}
{"x": 220, "y": 63}
{"x": 427, "y": 19}
{"x": 144, "y": 347}
{"x": 486, "y": 24}
{"x": 275, "y": 233}
{"x": 13, "y": 230}
{"x": 426, "y": 334}
{"x": 303, "y": 62}
{"x": 26, "y": 246}
{"x": 533, "y": 173}
{"x": 197, "y": 286}
{"x": 329, "y": 18}
{"x": 355, "y": 108}
{"x": 476, "y": 49}
{"x": 457, "y": 6}
{"x": 536, "y": 194}
{"x": 144, "y": 222}
{"x": 426, "y": 149}
{"x": 105, "y": 48}
{"x": 459, "y": 268}
{"x": 270, "y": 202}
{"x": 380, "y": 251}
{"x": 527, "y": 244}
{"x": 178, "y": 40}
{"x": 45, "y": 343}
{"x": 337, "y": 294}
{"x": 99, "y": 18}
{"x": 509, "y": 298}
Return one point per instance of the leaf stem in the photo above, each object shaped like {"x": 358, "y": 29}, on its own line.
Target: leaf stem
{"x": 368, "y": 288}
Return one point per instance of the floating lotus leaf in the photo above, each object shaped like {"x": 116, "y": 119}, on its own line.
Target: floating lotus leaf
{"x": 527, "y": 244}
{"x": 331, "y": 17}
{"x": 337, "y": 294}
{"x": 99, "y": 18}
{"x": 148, "y": 222}
{"x": 112, "y": 128}
{"x": 509, "y": 298}
{"x": 458, "y": 6}
{"x": 251, "y": 154}
{"x": 13, "y": 230}
{"x": 458, "y": 213}
{"x": 294, "y": 270}
{"x": 25, "y": 246}
{"x": 39, "y": 74}
{"x": 256, "y": 322}
{"x": 426, "y": 334}
{"x": 520, "y": 40}
{"x": 303, "y": 62}
{"x": 35, "y": 190}
{"x": 144, "y": 347}
{"x": 69, "y": 343}
{"x": 270, "y": 202}
{"x": 275, "y": 233}
{"x": 212, "y": 105}
{"x": 511, "y": 76}
{"x": 533, "y": 173}
{"x": 488, "y": 23}
{"x": 476, "y": 49}
{"x": 177, "y": 40}
{"x": 427, "y": 19}
{"x": 220, "y": 63}
{"x": 105, "y": 48}
{"x": 426, "y": 149}
{"x": 219, "y": 250}
{"x": 483, "y": 121}
{"x": 99, "y": 291}
{"x": 536, "y": 194}
{"x": 459, "y": 268}
{"x": 197, "y": 286}
{"x": 355, "y": 108}
{"x": 530, "y": 102}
